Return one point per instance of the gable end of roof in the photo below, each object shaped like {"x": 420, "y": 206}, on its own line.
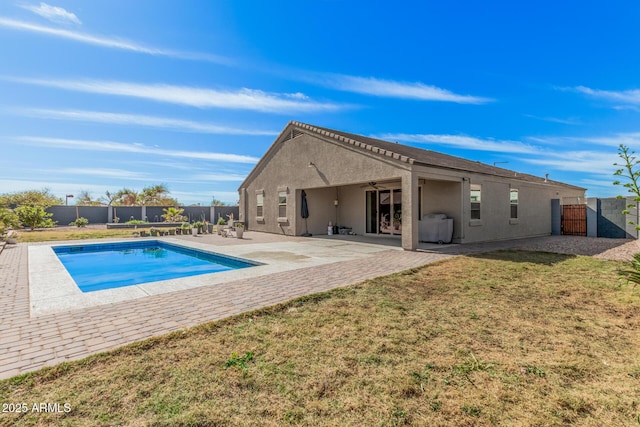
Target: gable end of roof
{"x": 350, "y": 141}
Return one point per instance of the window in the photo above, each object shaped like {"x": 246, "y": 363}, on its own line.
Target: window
{"x": 260, "y": 204}
{"x": 513, "y": 201}
{"x": 282, "y": 204}
{"x": 476, "y": 191}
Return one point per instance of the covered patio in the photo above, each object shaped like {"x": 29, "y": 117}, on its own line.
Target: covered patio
{"x": 385, "y": 210}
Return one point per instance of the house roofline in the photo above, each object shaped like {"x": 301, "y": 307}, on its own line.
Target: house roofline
{"x": 504, "y": 173}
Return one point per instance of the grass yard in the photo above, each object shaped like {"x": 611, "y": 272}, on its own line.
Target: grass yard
{"x": 507, "y": 338}
{"x": 68, "y": 233}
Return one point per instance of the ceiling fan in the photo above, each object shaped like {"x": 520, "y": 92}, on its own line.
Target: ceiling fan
{"x": 373, "y": 185}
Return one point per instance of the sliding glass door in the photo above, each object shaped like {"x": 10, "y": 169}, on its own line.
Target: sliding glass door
{"x": 384, "y": 211}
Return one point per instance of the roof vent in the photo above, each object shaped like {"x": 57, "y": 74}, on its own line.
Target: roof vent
{"x": 546, "y": 177}
{"x": 293, "y": 134}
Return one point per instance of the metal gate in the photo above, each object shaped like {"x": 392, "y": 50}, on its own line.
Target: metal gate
{"x": 574, "y": 220}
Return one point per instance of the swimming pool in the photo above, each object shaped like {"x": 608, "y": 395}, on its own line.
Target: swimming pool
{"x": 96, "y": 267}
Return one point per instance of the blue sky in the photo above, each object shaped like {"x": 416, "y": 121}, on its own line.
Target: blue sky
{"x": 104, "y": 94}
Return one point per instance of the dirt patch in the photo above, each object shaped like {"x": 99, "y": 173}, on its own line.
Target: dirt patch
{"x": 598, "y": 247}
{"x": 610, "y": 249}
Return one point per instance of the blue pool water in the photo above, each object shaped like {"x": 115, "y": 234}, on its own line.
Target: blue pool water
{"x": 113, "y": 265}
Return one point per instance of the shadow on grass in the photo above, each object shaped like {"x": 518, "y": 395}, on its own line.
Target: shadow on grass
{"x": 536, "y": 257}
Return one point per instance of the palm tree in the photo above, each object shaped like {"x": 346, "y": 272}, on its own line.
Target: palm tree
{"x": 174, "y": 215}
{"x": 216, "y": 202}
{"x": 111, "y": 198}
{"x": 152, "y": 195}
{"x": 127, "y": 197}
{"x": 85, "y": 199}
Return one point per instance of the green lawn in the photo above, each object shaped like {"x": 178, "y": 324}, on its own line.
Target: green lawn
{"x": 508, "y": 338}
{"x": 53, "y": 234}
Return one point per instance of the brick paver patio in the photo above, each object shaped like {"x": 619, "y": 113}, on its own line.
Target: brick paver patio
{"x": 29, "y": 343}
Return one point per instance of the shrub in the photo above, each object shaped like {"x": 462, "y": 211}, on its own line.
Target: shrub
{"x": 173, "y": 215}
{"x": 633, "y": 274}
{"x": 8, "y": 220}
{"x": 35, "y": 217}
{"x": 136, "y": 222}
{"x": 80, "y": 222}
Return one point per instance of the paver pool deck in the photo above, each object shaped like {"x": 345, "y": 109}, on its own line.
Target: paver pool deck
{"x": 40, "y": 330}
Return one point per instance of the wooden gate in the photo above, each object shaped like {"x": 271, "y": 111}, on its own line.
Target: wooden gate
{"x": 574, "y": 220}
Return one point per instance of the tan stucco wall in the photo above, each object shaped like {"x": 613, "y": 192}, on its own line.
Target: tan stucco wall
{"x": 443, "y": 197}
{"x": 321, "y": 210}
{"x": 287, "y": 166}
{"x": 534, "y": 209}
{"x": 352, "y": 208}
{"x": 342, "y": 171}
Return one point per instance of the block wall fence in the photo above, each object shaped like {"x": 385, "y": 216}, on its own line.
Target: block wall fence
{"x": 604, "y": 218}
{"x": 63, "y": 215}
{"x": 604, "y": 215}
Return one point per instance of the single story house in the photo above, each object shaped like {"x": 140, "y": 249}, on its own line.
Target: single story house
{"x": 382, "y": 188}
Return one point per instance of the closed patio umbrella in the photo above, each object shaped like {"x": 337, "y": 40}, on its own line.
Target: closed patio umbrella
{"x": 304, "y": 211}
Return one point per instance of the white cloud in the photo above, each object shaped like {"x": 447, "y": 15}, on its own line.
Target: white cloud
{"x": 243, "y": 99}
{"x": 629, "y": 138}
{"x": 625, "y": 96}
{"x": 584, "y": 161}
{"x": 206, "y": 195}
{"x": 57, "y": 188}
{"x": 219, "y": 177}
{"x": 465, "y": 142}
{"x": 569, "y": 121}
{"x": 139, "y": 120}
{"x": 110, "y": 42}
{"x": 103, "y": 172}
{"x": 395, "y": 89}
{"x": 52, "y": 13}
{"x": 134, "y": 148}
{"x": 60, "y": 189}
{"x": 591, "y": 162}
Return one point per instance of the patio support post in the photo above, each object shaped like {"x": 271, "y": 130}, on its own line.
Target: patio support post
{"x": 410, "y": 238}
{"x": 242, "y": 201}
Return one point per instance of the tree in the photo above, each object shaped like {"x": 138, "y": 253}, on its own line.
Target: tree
{"x": 126, "y": 197}
{"x": 110, "y": 197}
{"x": 152, "y": 194}
{"x": 34, "y": 217}
{"x": 216, "y": 202}
{"x": 629, "y": 171}
{"x": 85, "y": 199}
{"x": 8, "y": 220}
{"x": 42, "y": 198}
